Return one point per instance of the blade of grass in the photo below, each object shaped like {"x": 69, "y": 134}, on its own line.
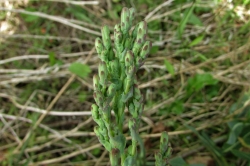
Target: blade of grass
{"x": 184, "y": 21}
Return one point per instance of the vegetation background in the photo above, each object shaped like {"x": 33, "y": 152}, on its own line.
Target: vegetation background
{"x": 195, "y": 81}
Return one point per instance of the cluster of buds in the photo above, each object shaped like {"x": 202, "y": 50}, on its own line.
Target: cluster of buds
{"x": 115, "y": 89}
{"x": 165, "y": 151}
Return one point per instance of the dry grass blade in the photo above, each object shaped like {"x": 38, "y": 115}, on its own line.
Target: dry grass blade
{"x": 53, "y": 18}
{"x": 62, "y": 1}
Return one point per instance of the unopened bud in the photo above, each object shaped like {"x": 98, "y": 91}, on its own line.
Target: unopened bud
{"x": 103, "y": 73}
{"x": 96, "y": 82}
{"x": 145, "y": 49}
{"x": 125, "y": 24}
{"x": 129, "y": 59}
{"x": 106, "y": 37}
{"x": 131, "y": 15}
{"x": 98, "y": 46}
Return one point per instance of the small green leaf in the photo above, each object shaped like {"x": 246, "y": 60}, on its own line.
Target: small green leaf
{"x": 177, "y": 107}
{"x": 79, "y": 13}
{"x": 29, "y": 18}
{"x": 96, "y": 152}
{"x": 199, "y": 81}
{"x": 52, "y": 58}
{"x": 177, "y": 161}
{"x": 246, "y": 2}
{"x": 80, "y": 69}
{"x": 242, "y": 155}
{"x": 193, "y": 19}
{"x": 197, "y": 165}
{"x": 235, "y": 132}
{"x": 82, "y": 97}
{"x": 196, "y": 41}
{"x": 154, "y": 49}
{"x": 169, "y": 67}
{"x": 185, "y": 19}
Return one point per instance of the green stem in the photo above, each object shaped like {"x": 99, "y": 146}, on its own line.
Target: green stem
{"x": 134, "y": 148}
{"x": 123, "y": 157}
{"x": 114, "y": 157}
{"x": 142, "y": 151}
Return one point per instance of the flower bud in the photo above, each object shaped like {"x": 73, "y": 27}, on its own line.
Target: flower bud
{"x": 130, "y": 72}
{"x": 126, "y": 96}
{"x": 118, "y": 37}
{"x": 135, "y": 30}
{"x": 115, "y": 68}
{"x": 111, "y": 55}
{"x": 131, "y": 15}
{"x": 122, "y": 56}
{"x": 145, "y": 49}
{"x": 104, "y": 55}
{"x": 121, "y": 106}
{"x": 139, "y": 62}
{"x": 117, "y": 28}
{"x": 143, "y": 26}
{"x": 137, "y": 47}
{"x": 103, "y": 73}
{"x": 142, "y": 31}
{"x": 96, "y": 82}
{"x": 98, "y": 97}
{"x": 111, "y": 90}
{"x": 94, "y": 111}
{"x": 128, "y": 43}
{"x": 106, "y": 37}
{"x": 98, "y": 46}
{"x": 106, "y": 114}
{"x": 125, "y": 24}
{"x": 101, "y": 138}
{"x": 127, "y": 85}
{"x": 129, "y": 59}
{"x": 118, "y": 43}
{"x": 165, "y": 150}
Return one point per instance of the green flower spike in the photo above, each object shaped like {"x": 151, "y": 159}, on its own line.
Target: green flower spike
{"x": 115, "y": 89}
